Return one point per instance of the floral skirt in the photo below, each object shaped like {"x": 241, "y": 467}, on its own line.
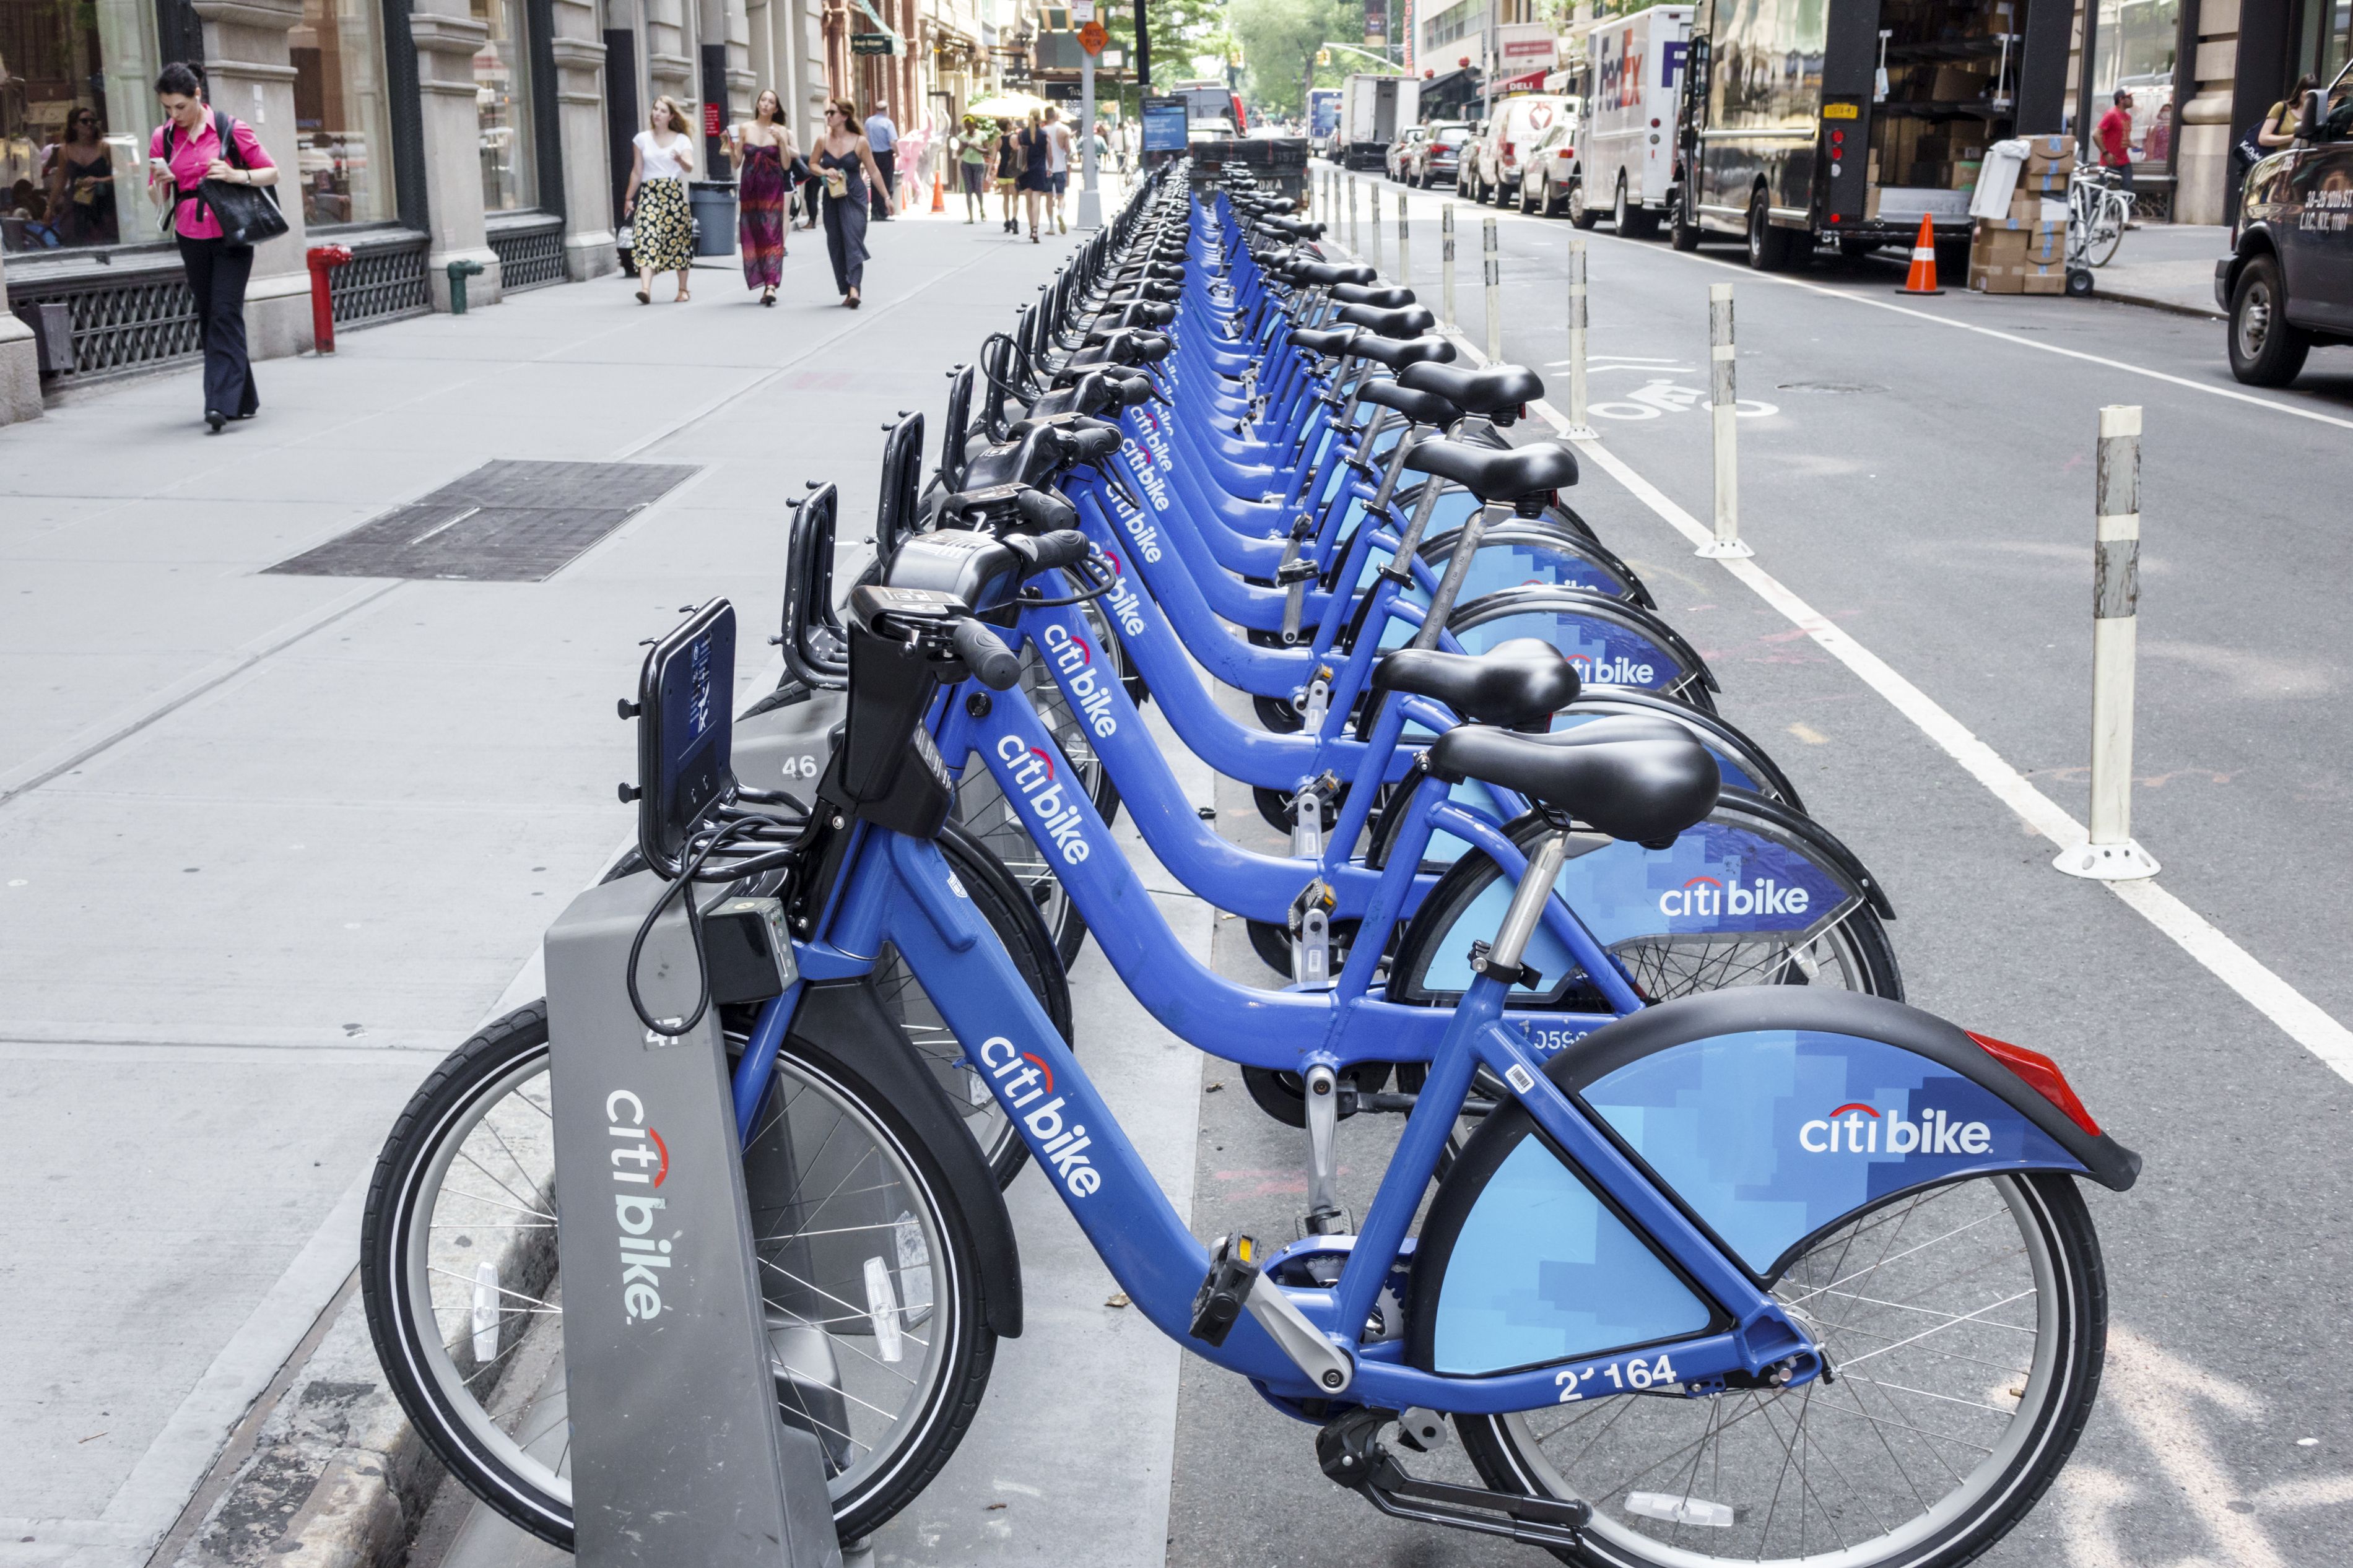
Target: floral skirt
{"x": 662, "y": 234}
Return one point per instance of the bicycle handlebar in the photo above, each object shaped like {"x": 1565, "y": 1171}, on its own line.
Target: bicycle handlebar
{"x": 992, "y": 664}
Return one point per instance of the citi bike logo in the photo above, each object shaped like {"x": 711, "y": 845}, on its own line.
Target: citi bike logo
{"x": 1611, "y": 669}
{"x": 1122, "y": 600}
{"x": 1856, "y": 1129}
{"x": 1024, "y": 1079}
{"x": 640, "y": 1164}
{"x": 1155, "y": 490}
{"x": 1703, "y": 897}
{"x": 1074, "y": 657}
{"x": 1061, "y": 824}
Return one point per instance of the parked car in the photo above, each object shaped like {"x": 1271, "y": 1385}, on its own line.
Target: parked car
{"x": 2288, "y": 281}
{"x": 1393, "y": 162}
{"x": 1511, "y": 135}
{"x": 1551, "y": 179}
{"x": 1437, "y": 155}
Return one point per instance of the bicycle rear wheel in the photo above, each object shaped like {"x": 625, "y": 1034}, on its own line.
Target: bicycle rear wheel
{"x": 1965, "y": 1326}
{"x": 458, "y": 1271}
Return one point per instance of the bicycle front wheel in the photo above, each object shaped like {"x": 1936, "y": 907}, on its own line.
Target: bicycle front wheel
{"x": 1965, "y": 1327}
{"x": 465, "y": 1300}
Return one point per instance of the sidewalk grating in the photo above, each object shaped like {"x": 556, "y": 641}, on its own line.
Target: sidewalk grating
{"x": 507, "y": 521}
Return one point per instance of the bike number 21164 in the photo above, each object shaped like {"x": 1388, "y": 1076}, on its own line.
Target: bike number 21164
{"x": 1622, "y": 1375}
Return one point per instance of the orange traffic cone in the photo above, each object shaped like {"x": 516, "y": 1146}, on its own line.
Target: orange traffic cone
{"x": 1921, "y": 279}
{"x": 939, "y": 193}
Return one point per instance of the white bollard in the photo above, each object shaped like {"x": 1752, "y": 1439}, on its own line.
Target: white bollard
{"x": 1577, "y": 427}
{"x": 1355, "y": 246}
{"x": 1373, "y": 216}
{"x": 1724, "y": 406}
{"x": 1494, "y": 292}
{"x": 1405, "y": 247}
{"x": 2111, "y": 856}
{"x": 1446, "y": 261}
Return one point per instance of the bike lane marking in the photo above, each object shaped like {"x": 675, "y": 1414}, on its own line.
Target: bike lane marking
{"x": 2295, "y": 1015}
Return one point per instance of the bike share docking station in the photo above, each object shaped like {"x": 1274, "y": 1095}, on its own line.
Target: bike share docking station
{"x": 673, "y": 1365}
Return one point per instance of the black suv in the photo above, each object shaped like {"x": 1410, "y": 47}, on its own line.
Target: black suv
{"x": 2288, "y": 281}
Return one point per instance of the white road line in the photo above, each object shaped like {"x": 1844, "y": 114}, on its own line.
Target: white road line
{"x": 2296, "y": 1014}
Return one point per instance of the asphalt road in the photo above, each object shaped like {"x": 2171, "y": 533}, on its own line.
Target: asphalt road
{"x": 1921, "y": 472}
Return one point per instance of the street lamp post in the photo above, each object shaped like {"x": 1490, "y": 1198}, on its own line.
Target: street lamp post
{"x": 1090, "y": 199}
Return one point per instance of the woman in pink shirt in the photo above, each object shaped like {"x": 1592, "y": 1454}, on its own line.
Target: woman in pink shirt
{"x": 186, "y": 153}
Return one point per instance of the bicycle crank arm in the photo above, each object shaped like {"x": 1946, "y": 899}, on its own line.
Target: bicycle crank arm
{"x": 1351, "y": 1452}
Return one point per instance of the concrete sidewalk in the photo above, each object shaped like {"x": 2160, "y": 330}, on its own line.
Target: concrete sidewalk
{"x": 2168, "y": 265}
{"x": 270, "y": 844}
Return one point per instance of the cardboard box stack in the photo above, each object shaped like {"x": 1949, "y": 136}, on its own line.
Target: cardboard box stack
{"x": 2026, "y": 252}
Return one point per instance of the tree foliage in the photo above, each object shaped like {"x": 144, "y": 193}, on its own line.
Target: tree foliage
{"x": 1280, "y": 39}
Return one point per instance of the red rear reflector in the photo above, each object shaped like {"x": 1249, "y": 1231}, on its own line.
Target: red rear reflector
{"x": 1655, "y": 125}
{"x": 2042, "y": 1075}
{"x": 1834, "y": 217}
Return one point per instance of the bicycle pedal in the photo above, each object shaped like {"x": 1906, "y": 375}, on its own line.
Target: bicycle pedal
{"x": 1224, "y": 1289}
{"x": 1350, "y": 1451}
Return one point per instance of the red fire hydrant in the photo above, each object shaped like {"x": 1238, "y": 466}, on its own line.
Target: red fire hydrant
{"x": 323, "y": 300}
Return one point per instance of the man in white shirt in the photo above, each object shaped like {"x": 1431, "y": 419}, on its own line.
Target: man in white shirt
{"x": 883, "y": 137}
{"x": 1058, "y": 165}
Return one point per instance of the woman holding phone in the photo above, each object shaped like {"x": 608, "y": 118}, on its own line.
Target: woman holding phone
{"x": 189, "y": 149}
{"x": 846, "y": 162}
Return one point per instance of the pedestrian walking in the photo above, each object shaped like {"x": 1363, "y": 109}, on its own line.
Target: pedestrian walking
{"x": 663, "y": 233}
{"x": 1036, "y": 178}
{"x": 1058, "y": 165}
{"x": 1005, "y": 161}
{"x": 762, "y": 148}
{"x": 971, "y": 150}
{"x": 196, "y": 143}
{"x": 846, "y": 159}
{"x": 882, "y": 140}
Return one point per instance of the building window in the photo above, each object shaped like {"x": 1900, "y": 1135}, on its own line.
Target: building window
{"x": 341, "y": 119}
{"x": 503, "y": 99}
{"x": 2133, "y": 48}
{"x": 77, "y": 105}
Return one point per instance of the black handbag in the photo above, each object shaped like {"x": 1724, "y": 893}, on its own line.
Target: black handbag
{"x": 248, "y": 214}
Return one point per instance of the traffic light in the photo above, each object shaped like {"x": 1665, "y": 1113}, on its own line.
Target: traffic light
{"x": 1322, "y": 57}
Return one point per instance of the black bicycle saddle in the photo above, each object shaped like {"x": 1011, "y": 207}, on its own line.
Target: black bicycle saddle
{"x": 1421, "y": 407}
{"x": 1515, "y": 684}
{"x": 1633, "y": 777}
{"x": 1507, "y": 475}
{"x": 1398, "y": 353}
{"x": 1378, "y": 298}
{"x": 1316, "y": 341}
{"x": 1409, "y": 321}
{"x": 1324, "y": 273}
{"x": 1488, "y": 391}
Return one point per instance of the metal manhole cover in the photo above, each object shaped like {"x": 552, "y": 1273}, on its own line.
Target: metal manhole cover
{"x": 505, "y": 522}
{"x": 1832, "y": 387}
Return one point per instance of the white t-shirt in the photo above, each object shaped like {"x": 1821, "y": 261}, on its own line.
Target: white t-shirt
{"x": 1058, "y": 149}
{"x": 662, "y": 162}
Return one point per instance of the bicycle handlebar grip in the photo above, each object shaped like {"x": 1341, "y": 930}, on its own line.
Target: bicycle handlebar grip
{"x": 992, "y": 664}
{"x": 1064, "y": 547}
{"x": 1046, "y": 511}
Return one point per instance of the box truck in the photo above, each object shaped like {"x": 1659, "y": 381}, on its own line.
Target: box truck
{"x": 1632, "y": 81}
{"x": 1846, "y": 121}
{"x": 1374, "y": 111}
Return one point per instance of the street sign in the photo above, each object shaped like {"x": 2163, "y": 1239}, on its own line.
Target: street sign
{"x": 1093, "y": 38}
{"x": 872, "y": 44}
{"x": 1082, "y": 10}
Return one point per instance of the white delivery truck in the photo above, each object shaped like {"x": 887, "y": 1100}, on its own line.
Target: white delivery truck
{"x": 1633, "y": 81}
{"x": 1374, "y": 111}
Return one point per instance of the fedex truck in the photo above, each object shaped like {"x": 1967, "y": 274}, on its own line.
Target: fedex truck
{"x": 1633, "y": 81}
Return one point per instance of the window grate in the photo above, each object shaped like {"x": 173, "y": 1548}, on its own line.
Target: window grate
{"x": 385, "y": 279}
{"x": 125, "y": 319}
{"x": 531, "y": 255}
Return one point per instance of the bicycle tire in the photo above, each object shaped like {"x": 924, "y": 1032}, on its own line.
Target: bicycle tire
{"x": 2054, "y": 1399}
{"x": 509, "y": 1052}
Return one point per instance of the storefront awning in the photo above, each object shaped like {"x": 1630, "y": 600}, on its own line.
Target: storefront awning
{"x": 1527, "y": 81}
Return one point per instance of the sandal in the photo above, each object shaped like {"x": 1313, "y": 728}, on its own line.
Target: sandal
{"x": 682, "y": 298}
{"x": 644, "y": 297}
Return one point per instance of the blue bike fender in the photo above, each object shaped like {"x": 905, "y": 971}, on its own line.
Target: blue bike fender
{"x": 1775, "y": 1113}
{"x": 1571, "y": 601}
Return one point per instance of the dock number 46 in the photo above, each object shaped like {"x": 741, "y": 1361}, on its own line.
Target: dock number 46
{"x": 1636, "y": 1373}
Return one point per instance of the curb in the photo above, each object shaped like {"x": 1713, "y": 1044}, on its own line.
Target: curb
{"x": 2152, "y": 302}
{"x": 337, "y": 1478}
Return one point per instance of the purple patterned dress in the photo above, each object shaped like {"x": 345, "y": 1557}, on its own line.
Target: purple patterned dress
{"x": 760, "y": 226}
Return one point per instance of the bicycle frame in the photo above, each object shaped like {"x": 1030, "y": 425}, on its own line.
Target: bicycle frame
{"x": 898, "y": 890}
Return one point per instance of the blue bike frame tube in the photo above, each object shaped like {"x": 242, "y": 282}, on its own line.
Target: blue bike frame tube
{"x": 1083, "y": 1151}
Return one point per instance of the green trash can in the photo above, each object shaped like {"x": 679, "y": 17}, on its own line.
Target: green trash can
{"x": 712, "y": 202}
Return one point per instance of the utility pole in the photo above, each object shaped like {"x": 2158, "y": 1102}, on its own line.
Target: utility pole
{"x": 1142, "y": 59}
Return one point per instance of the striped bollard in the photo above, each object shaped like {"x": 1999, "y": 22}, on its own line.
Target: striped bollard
{"x": 1405, "y": 247}
{"x": 1723, "y": 407}
{"x": 1446, "y": 261}
{"x": 2111, "y": 856}
{"x": 1354, "y": 245}
{"x": 1577, "y": 427}
{"x": 1494, "y": 292}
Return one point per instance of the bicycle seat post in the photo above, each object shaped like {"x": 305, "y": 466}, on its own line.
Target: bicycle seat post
{"x": 1503, "y": 955}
